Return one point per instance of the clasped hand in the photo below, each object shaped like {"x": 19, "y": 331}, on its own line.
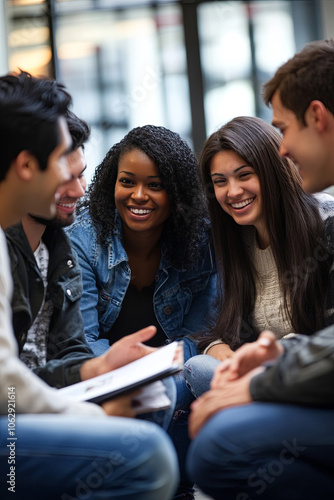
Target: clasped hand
{"x": 230, "y": 385}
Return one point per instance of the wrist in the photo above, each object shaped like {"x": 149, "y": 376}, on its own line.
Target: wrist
{"x": 215, "y": 342}
{"x": 92, "y": 368}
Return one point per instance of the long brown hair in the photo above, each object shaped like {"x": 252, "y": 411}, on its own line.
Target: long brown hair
{"x": 294, "y": 226}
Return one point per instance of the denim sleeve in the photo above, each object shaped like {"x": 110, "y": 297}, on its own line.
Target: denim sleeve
{"x": 84, "y": 243}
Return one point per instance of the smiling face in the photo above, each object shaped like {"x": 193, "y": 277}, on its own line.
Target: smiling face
{"x": 304, "y": 145}
{"x": 140, "y": 197}
{"x": 70, "y": 192}
{"x": 56, "y": 173}
{"x": 237, "y": 190}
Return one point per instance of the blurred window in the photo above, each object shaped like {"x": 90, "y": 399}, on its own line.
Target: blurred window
{"x": 125, "y": 63}
{"x": 241, "y": 45}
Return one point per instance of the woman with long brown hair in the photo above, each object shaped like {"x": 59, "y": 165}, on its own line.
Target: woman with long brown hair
{"x": 272, "y": 244}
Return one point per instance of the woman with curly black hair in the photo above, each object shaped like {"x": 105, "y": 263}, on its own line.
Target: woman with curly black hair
{"x": 143, "y": 245}
{"x": 142, "y": 239}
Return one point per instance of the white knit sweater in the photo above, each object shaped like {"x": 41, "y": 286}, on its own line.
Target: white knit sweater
{"x": 269, "y": 312}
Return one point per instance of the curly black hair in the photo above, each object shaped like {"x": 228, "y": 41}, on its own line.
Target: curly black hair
{"x": 187, "y": 226}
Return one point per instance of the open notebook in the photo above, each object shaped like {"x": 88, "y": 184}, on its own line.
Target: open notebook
{"x": 144, "y": 372}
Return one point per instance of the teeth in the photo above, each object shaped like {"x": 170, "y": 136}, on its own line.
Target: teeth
{"x": 67, "y": 205}
{"x": 242, "y": 203}
{"x": 140, "y": 211}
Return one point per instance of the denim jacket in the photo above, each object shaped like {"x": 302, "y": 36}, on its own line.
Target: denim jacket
{"x": 183, "y": 299}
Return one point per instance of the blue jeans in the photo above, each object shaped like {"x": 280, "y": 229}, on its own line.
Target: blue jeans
{"x": 59, "y": 457}
{"x": 183, "y": 394}
{"x": 178, "y": 428}
{"x": 198, "y": 372}
{"x": 265, "y": 451}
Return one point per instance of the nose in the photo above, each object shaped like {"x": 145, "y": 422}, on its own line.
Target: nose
{"x": 76, "y": 188}
{"x": 139, "y": 193}
{"x": 283, "y": 151}
{"x": 234, "y": 189}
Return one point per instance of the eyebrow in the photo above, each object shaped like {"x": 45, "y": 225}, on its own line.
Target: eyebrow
{"x": 133, "y": 175}
{"x": 235, "y": 171}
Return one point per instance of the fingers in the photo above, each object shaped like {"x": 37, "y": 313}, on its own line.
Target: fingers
{"x": 266, "y": 338}
{"x": 234, "y": 367}
{"x": 144, "y": 334}
{"x": 120, "y": 407}
{"x": 219, "y": 371}
{"x": 196, "y": 403}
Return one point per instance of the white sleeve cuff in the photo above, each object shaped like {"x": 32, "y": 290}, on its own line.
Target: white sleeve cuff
{"x": 215, "y": 342}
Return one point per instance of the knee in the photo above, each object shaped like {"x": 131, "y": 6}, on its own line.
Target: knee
{"x": 184, "y": 395}
{"x": 199, "y": 464}
{"x": 198, "y": 372}
{"x": 162, "y": 466}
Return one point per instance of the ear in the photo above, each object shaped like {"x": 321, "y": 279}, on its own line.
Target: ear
{"x": 316, "y": 116}
{"x": 26, "y": 165}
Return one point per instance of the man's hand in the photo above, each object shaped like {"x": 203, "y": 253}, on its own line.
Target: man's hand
{"x": 122, "y": 406}
{"x": 220, "y": 351}
{"x": 233, "y": 393}
{"x": 122, "y": 352}
{"x": 246, "y": 358}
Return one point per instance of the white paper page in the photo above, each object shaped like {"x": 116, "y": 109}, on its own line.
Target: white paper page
{"x": 141, "y": 369}
{"x": 152, "y": 397}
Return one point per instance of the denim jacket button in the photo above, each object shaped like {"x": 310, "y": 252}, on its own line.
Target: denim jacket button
{"x": 69, "y": 293}
{"x": 168, "y": 310}
{"x": 70, "y": 263}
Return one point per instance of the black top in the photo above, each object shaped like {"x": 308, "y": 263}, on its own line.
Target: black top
{"x": 136, "y": 313}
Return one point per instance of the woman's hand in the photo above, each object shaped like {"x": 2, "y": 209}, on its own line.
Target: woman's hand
{"x": 248, "y": 357}
{"x": 220, "y": 351}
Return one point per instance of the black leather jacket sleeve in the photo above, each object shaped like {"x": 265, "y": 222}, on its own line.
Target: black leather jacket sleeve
{"x": 304, "y": 374}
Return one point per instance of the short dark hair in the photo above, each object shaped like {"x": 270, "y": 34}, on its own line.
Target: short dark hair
{"x": 187, "y": 226}
{"x": 29, "y": 112}
{"x": 306, "y": 77}
{"x": 79, "y": 130}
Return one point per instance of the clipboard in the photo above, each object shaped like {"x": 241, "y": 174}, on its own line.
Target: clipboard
{"x": 163, "y": 362}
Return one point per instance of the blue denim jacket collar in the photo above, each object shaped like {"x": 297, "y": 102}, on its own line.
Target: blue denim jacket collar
{"x": 117, "y": 253}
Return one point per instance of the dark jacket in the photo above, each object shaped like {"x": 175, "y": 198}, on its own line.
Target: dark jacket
{"x": 66, "y": 345}
{"x": 304, "y": 374}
